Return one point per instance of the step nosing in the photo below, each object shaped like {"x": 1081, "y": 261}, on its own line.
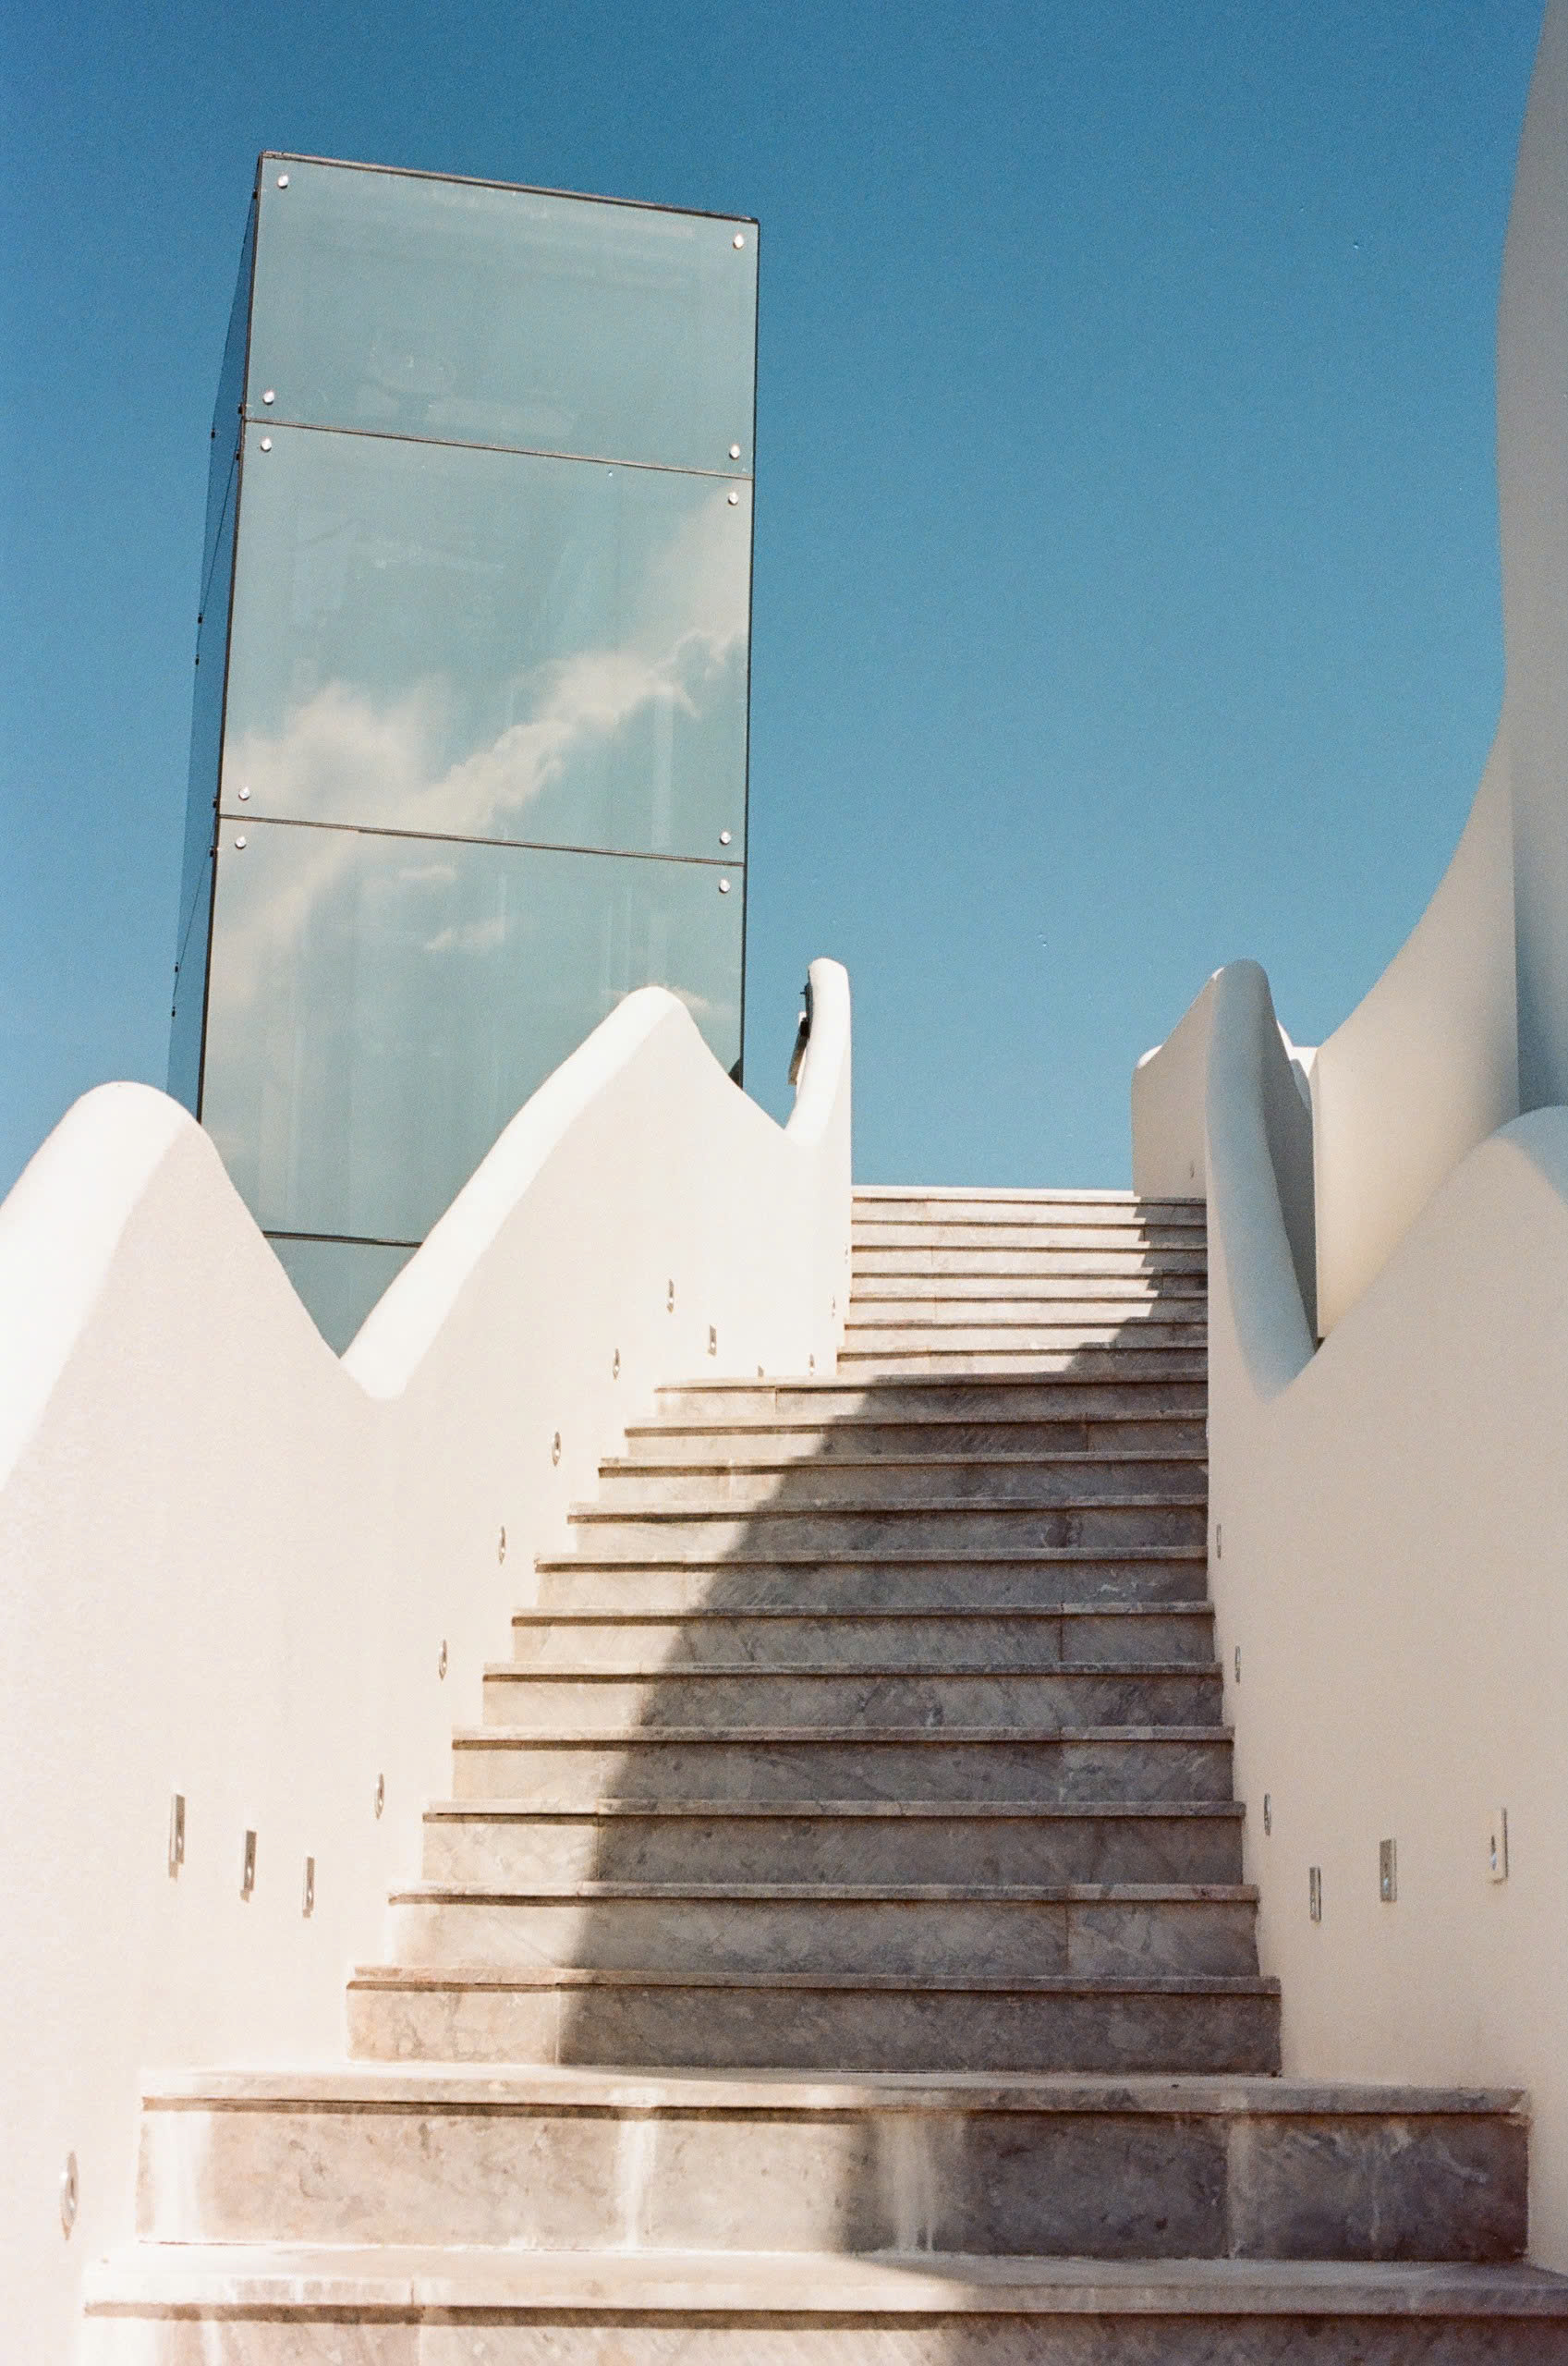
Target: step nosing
{"x": 525, "y": 1977}
{"x": 826, "y": 1892}
{"x": 503, "y": 1810}
{"x": 870, "y": 1737}
{"x": 856, "y": 1672}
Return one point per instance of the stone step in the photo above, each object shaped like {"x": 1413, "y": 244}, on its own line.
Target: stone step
{"x": 1020, "y": 2166}
{"x": 268, "y": 2304}
{"x": 544, "y": 1700}
{"x": 1132, "y": 1635}
{"x": 672, "y": 1584}
{"x": 861, "y": 1437}
{"x": 1042, "y": 1259}
{"x": 835, "y": 2023}
{"x": 1009, "y": 1396}
{"x": 1009, "y": 1231}
{"x": 752, "y": 1761}
{"x": 875, "y": 1365}
{"x": 851, "y": 1840}
{"x": 908, "y": 1930}
{"x": 963, "y": 1331}
{"x": 631, "y": 1485}
{"x": 1184, "y": 1208}
{"x": 796, "y": 1530}
{"x": 1137, "y": 1291}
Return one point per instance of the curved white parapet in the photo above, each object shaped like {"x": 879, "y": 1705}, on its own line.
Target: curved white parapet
{"x": 1387, "y": 1560}
{"x": 235, "y": 1568}
{"x": 1469, "y": 1022}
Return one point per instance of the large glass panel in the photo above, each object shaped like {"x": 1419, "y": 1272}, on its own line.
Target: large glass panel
{"x": 490, "y": 645}
{"x": 482, "y": 314}
{"x": 339, "y": 1280}
{"x": 380, "y": 1008}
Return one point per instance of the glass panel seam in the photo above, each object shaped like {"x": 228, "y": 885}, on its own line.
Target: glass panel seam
{"x": 454, "y": 838}
{"x": 270, "y": 418}
{"x": 341, "y": 1239}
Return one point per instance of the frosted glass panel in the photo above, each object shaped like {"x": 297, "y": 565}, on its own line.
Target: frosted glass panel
{"x": 481, "y": 315}
{"x": 380, "y": 1009}
{"x": 489, "y": 645}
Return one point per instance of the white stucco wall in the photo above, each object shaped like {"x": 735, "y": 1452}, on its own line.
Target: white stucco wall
{"x": 228, "y": 1562}
{"x": 1387, "y": 1553}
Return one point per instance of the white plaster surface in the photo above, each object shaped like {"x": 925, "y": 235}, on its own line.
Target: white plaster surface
{"x": 229, "y": 1562}
{"x": 1388, "y": 1518}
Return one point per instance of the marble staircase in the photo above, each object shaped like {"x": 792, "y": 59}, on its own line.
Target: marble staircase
{"x": 836, "y": 1942}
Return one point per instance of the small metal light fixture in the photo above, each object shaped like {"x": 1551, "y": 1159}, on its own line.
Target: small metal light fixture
{"x": 1268, "y": 1816}
{"x": 177, "y": 1834}
{"x": 441, "y": 1663}
{"x": 283, "y": 181}
{"x": 713, "y": 1340}
{"x": 669, "y": 1298}
{"x": 381, "y": 1796}
{"x": 1497, "y": 1845}
{"x": 810, "y": 1363}
{"x": 1218, "y": 1542}
{"x": 501, "y": 1546}
{"x": 70, "y": 2195}
{"x": 739, "y": 238}
{"x": 269, "y": 397}
{"x": 1388, "y": 1872}
{"x": 615, "y": 1365}
{"x": 266, "y": 443}
{"x": 1315, "y": 1892}
{"x": 1238, "y": 1663}
{"x": 308, "y": 1899}
{"x": 248, "y": 1867}
{"x": 556, "y": 1448}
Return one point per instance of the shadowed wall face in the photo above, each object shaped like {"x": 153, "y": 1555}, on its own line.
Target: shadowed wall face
{"x": 469, "y": 752}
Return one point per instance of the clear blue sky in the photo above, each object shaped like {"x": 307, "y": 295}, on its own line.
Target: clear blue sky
{"x": 1126, "y": 591}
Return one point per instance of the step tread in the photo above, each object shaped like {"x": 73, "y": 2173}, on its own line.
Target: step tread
{"x": 458, "y": 1974}
{"x": 837, "y": 1671}
{"x": 872, "y": 1737}
{"x": 296, "y": 2280}
{"x": 721, "y": 1614}
{"x": 505, "y": 2086}
{"x": 1048, "y": 1457}
{"x": 1183, "y": 1500}
{"x": 835, "y": 1893}
{"x": 981, "y": 1558}
{"x": 501, "y": 1810}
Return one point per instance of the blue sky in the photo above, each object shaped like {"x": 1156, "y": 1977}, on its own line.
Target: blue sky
{"x": 1126, "y": 591}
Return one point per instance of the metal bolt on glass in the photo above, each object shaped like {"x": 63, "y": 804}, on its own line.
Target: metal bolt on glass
{"x": 266, "y": 443}
{"x": 615, "y": 1365}
{"x": 670, "y": 1297}
{"x": 244, "y": 794}
{"x": 283, "y": 181}
{"x": 269, "y": 396}
{"x": 734, "y": 500}
{"x": 70, "y": 2194}
{"x": 239, "y": 841}
{"x": 724, "y": 887}
{"x": 734, "y": 451}
{"x": 713, "y": 1340}
{"x": 740, "y": 237}
{"x": 723, "y": 837}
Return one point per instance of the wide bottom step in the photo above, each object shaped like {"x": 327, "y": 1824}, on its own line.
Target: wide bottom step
{"x": 264, "y": 2306}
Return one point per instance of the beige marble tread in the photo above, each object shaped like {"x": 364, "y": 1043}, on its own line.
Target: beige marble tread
{"x": 828, "y": 1893}
{"x": 686, "y": 2283}
{"x": 857, "y": 1671}
{"x": 501, "y": 1810}
{"x": 765, "y": 1737}
{"x": 628, "y": 1467}
{"x": 1197, "y": 2094}
{"x": 888, "y": 1983}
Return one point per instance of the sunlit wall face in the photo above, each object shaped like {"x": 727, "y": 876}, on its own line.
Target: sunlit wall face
{"x": 468, "y": 755}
